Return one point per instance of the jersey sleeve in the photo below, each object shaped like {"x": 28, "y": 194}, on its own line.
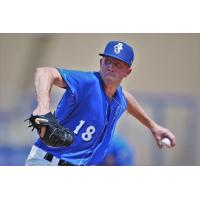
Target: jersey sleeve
{"x": 77, "y": 81}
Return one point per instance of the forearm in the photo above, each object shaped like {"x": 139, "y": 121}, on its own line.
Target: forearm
{"x": 138, "y": 112}
{"x": 43, "y": 84}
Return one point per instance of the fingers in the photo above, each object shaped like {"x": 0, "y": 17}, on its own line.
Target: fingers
{"x": 173, "y": 142}
{"x": 158, "y": 139}
{"x": 42, "y": 131}
{"x": 160, "y": 133}
{"x": 171, "y": 137}
{"x": 167, "y": 142}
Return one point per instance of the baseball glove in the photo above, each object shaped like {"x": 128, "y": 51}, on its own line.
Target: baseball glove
{"x": 55, "y": 135}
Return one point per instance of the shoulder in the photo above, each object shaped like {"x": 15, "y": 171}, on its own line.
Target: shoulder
{"x": 121, "y": 92}
{"x": 75, "y": 73}
{"x": 121, "y": 98}
{"x": 76, "y": 77}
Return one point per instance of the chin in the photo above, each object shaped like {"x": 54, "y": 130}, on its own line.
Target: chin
{"x": 110, "y": 81}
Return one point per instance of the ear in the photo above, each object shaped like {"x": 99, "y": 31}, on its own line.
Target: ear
{"x": 101, "y": 60}
{"x": 128, "y": 71}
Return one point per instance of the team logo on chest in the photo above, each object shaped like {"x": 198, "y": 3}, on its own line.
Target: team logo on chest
{"x": 118, "y": 47}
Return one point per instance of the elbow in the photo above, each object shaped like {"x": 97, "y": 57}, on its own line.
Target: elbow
{"x": 41, "y": 71}
{"x": 51, "y": 73}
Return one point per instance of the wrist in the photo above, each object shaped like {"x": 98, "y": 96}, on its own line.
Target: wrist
{"x": 41, "y": 110}
{"x": 43, "y": 104}
{"x": 152, "y": 126}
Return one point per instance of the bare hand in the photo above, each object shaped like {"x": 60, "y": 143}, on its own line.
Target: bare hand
{"x": 160, "y": 132}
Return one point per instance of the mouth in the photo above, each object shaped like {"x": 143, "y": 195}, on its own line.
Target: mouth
{"x": 109, "y": 73}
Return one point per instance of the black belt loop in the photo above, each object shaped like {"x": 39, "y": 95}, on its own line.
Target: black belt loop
{"x": 64, "y": 163}
{"x": 49, "y": 157}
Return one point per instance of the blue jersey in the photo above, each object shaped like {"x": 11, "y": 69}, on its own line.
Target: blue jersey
{"x": 89, "y": 114}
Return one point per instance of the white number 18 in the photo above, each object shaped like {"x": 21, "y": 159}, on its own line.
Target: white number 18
{"x": 86, "y": 136}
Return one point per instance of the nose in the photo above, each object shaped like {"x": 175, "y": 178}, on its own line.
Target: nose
{"x": 110, "y": 67}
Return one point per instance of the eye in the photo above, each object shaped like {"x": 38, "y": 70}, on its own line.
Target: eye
{"x": 118, "y": 65}
{"x": 107, "y": 61}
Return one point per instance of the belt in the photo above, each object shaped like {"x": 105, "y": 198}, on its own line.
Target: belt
{"x": 49, "y": 157}
{"x": 39, "y": 153}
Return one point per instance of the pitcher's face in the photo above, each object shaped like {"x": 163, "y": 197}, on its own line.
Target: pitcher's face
{"x": 113, "y": 70}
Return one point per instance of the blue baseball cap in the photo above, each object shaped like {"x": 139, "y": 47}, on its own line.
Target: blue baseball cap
{"x": 120, "y": 51}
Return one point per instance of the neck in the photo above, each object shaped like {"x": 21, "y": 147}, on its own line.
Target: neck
{"x": 110, "y": 90}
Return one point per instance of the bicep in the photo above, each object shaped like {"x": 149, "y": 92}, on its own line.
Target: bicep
{"x": 58, "y": 80}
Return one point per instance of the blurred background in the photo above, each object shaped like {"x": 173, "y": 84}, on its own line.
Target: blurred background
{"x": 165, "y": 80}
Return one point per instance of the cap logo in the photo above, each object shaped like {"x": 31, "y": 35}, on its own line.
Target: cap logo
{"x": 118, "y": 47}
